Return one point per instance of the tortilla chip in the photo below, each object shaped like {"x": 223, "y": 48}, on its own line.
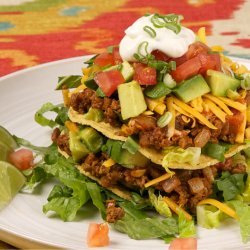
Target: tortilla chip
{"x": 152, "y": 154}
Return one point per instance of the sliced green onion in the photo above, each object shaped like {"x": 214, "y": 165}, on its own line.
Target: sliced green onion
{"x": 143, "y": 46}
{"x": 150, "y": 31}
{"x": 169, "y": 81}
{"x": 158, "y": 65}
{"x": 157, "y": 91}
{"x": 245, "y": 83}
{"x": 234, "y": 95}
{"x": 131, "y": 145}
{"x": 110, "y": 49}
{"x": 172, "y": 65}
{"x": 164, "y": 120}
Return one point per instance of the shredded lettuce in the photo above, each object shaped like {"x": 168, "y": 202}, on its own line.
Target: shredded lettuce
{"x": 186, "y": 227}
{"x": 230, "y": 185}
{"x": 68, "y": 82}
{"x": 159, "y": 204}
{"x": 60, "y": 110}
{"x": 138, "y": 225}
{"x": 173, "y": 155}
{"x": 209, "y": 216}
{"x": 243, "y": 211}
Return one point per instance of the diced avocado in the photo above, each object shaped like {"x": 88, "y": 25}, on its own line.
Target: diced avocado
{"x": 91, "y": 138}
{"x": 192, "y": 88}
{"x": 132, "y": 160}
{"x": 131, "y": 100}
{"x": 94, "y": 115}
{"x": 126, "y": 69}
{"x": 220, "y": 82}
{"x": 77, "y": 148}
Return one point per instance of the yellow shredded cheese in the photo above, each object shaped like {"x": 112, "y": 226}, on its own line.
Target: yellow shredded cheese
{"x": 221, "y": 104}
{"x": 194, "y": 112}
{"x": 236, "y": 105}
{"x": 156, "y": 105}
{"x": 241, "y": 132}
{"x": 71, "y": 126}
{"x": 197, "y": 104}
{"x": 171, "y": 125}
{"x": 217, "y": 48}
{"x": 148, "y": 112}
{"x": 202, "y": 34}
{"x": 181, "y": 111}
{"x": 177, "y": 209}
{"x": 159, "y": 179}
{"x": 77, "y": 90}
{"x": 216, "y": 110}
{"x": 66, "y": 99}
{"x": 108, "y": 163}
{"x": 221, "y": 206}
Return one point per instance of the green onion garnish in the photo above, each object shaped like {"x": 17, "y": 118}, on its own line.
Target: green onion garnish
{"x": 170, "y": 21}
{"x": 164, "y": 120}
{"x": 150, "y": 31}
{"x": 169, "y": 81}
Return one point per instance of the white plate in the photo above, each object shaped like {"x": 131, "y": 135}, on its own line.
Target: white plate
{"x": 21, "y": 94}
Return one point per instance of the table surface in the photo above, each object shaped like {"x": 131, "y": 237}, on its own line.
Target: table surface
{"x": 37, "y": 31}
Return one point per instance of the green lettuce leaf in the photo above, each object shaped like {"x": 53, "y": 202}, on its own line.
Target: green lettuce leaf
{"x": 68, "y": 82}
{"x": 231, "y": 185}
{"x": 190, "y": 155}
{"x": 138, "y": 225}
{"x": 209, "y": 216}
{"x": 186, "y": 227}
{"x": 159, "y": 204}
{"x": 243, "y": 211}
{"x": 60, "y": 110}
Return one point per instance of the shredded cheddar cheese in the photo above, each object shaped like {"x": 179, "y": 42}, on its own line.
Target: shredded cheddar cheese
{"x": 171, "y": 125}
{"x": 202, "y": 34}
{"x": 197, "y": 104}
{"x": 223, "y": 207}
{"x": 221, "y": 104}
{"x": 217, "y": 48}
{"x": 194, "y": 112}
{"x": 71, "y": 126}
{"x": 159, "y": 179}
{"x": 156, "y": 105}
{"x": 108, "y": 163}
{"x": 148, "y": 112}
{"x": 181, "y": 111}
{"x": 216, "y": 110}
{"x": 236, "y": 105}
{"x": 66, "y": 99}
{"x": 247, "y": 133}
{"x": 177, "y": 209}
{"x": 241, "y": 132}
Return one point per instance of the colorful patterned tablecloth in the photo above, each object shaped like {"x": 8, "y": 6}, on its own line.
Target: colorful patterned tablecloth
{"x": 38, "y": 31}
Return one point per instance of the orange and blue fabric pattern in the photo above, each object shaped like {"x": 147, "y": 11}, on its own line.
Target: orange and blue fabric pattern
{"x": 38, "y": 31}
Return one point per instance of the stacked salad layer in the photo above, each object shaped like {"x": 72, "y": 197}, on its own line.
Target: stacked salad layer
{"x": 155, "y": 133}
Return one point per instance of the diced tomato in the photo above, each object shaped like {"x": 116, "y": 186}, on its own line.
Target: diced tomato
{"x": 187, "y": 69}
{"x": 195, "y": 49}
{"x": 160, "y": 56}
{"x": 197, "y": 65}
{"x": 109, "y": 80}
{"x": 183, "y": 244}
{"x": 235, "y": 122}
{"x": 22, "y": 159}
{"x": 144, "y": 74}
{"x": 98, "y": 235}
{"x": 116, "y": 55}
{"x": 104, "y": 59}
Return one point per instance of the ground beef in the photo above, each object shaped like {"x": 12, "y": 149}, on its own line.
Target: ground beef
{"x": 82, "y": 101}
{"x": 113, "y": 212}
{"x": 113, "y": 175}
{"x": 228, "y": 165}
{"x": 62, "y": 142}
{"x": 55, "y": 134}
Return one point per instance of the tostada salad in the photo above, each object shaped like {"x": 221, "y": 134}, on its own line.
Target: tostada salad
{"x": 155, "y": 134}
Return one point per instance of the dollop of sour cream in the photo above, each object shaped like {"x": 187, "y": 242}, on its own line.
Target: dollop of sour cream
{"x": 172, "y": 44}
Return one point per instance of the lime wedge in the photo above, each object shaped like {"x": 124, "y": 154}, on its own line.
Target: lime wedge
{"x": 11, "y": 181}
{"x": 7, "y": 138}
{"x": 4, "y": 151}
